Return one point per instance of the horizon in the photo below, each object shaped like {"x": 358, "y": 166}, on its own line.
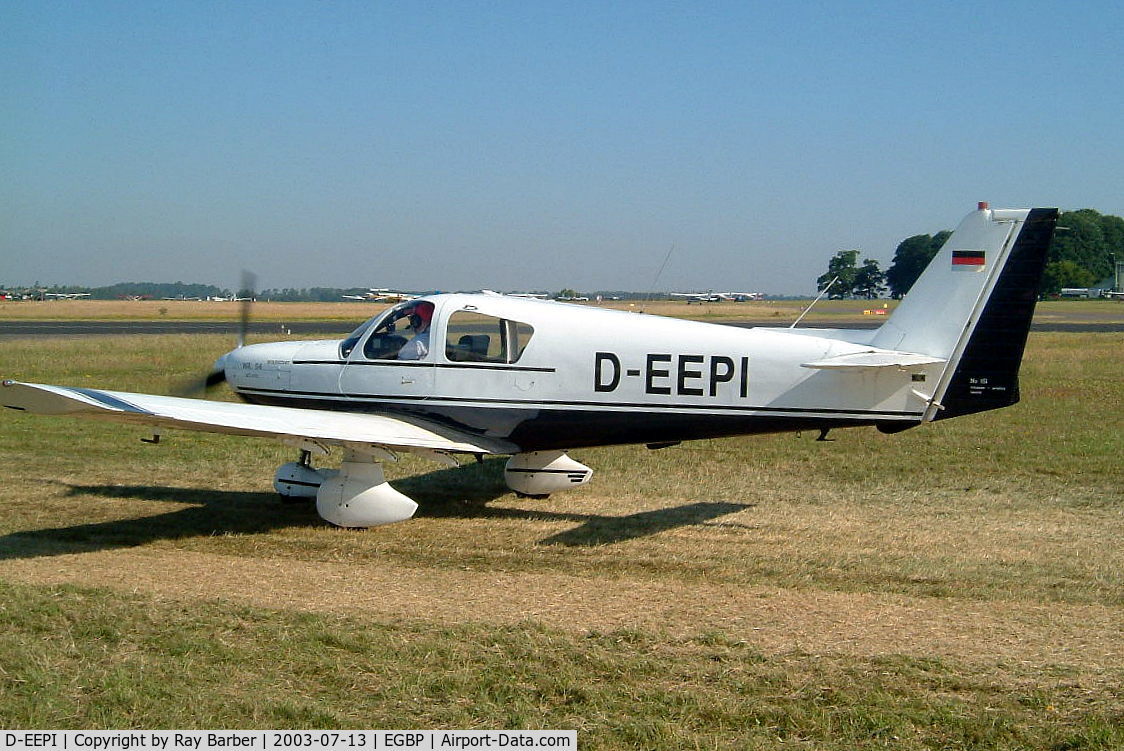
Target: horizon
{"x": 35, "y": 286}
{"x": 479, "y": 145}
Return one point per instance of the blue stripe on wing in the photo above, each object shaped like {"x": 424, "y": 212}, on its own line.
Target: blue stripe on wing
{"x": 109, "y": 401}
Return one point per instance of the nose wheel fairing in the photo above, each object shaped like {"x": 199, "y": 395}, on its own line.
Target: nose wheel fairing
{"x": 300, "y": 479}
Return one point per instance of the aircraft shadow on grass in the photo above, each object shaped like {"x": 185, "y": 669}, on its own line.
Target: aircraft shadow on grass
{"x": 460, "y": 492}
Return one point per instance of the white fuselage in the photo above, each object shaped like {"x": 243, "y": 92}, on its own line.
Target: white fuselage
{"x": 588, "y": 376}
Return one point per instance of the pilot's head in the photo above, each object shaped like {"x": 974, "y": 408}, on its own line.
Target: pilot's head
{"x": 421, "y": 315}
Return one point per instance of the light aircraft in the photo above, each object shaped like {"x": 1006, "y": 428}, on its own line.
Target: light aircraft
{"x": 67, "y": 295}
{"x": 381, "y": 294}
{"x": 701, "y": 297}
{"x": 533, "y": 379}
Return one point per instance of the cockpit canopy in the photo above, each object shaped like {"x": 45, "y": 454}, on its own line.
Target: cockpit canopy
{"x": 409, "y": 331}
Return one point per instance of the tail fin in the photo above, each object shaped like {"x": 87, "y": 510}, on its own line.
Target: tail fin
{"x": 973, "y": 305}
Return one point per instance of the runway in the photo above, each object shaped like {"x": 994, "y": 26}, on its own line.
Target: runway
{"x": 12, "y": 329}
{"x": 19, "y": 329}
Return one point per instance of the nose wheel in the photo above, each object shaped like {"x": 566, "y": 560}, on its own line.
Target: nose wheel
{"x": 299, "y": 480}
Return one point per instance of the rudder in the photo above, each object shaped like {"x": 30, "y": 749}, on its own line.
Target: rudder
{"x": 987, "y": 373}
{"x": 972, "y": 307}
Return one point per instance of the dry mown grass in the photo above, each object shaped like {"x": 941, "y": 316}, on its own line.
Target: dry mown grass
{"x": 990, "y": 542}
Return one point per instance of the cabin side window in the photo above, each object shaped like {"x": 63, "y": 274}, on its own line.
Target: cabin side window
{"x": 475, "y": 337}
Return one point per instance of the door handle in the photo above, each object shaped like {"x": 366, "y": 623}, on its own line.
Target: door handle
{"x": 407, "y": 380}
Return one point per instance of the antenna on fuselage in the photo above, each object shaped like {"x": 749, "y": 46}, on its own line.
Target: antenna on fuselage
{"x": 652, "y": 288}
{"x": 821, "y": 294}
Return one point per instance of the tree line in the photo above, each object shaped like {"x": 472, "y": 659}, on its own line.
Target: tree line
{"x": 1082, "y": 253}
{"x": 145, "y": 290}
{"x": 184, "y": 291}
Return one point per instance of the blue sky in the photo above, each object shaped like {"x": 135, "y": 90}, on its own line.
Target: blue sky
{"x": 534, "y": 145}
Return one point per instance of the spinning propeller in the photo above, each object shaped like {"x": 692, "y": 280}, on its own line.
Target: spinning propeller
{"x": 217, "y": 376}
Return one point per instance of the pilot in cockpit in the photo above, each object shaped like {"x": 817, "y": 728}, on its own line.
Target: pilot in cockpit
{"x": 418, "y": 347}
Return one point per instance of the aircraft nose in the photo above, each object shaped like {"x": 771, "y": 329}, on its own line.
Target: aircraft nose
{"x": 259, "y": 365}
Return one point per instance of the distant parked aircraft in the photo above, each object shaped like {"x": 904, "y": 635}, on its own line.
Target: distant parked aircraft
{"x": 381, "y": 294}
{"x": 719, "y": 296}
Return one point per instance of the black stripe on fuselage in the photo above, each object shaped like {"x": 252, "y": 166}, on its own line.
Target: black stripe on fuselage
{"x": 539, "y": 426}
{"x": 444, "y": 365}
{"x": 356, "y": 403}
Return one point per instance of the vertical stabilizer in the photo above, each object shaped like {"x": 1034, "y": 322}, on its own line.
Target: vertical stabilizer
{"x": 973, "y": 306}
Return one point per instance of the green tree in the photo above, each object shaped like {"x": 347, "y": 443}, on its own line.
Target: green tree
{"x": 1060, "y": 274}
{"x": 841, "y": 266}
{"x": 870, "y": 280}
{"x": 1088, "y": 239}
{"x": 913, "y": 254}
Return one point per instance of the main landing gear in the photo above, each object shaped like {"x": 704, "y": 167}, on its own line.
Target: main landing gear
{"x": 355, "y": 495}
{"x": 358, "y": 495}
{"x": 537, "y": 474}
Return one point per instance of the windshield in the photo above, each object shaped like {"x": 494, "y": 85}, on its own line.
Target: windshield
{"x": 402, "y": 334}
{"x": 353, "y": 338}
{"x": 398, "y": 333}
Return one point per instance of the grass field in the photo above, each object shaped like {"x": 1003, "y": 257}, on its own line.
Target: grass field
{"x": 955, "y": 586}
{"x": 182, "y": 310}
{"x": 781, "y": 311}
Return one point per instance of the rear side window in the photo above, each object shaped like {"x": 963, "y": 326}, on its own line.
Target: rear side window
{"x": 475, "y": 337}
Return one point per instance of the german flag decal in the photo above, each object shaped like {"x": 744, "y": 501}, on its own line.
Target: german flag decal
{"x": 968, "y": 260}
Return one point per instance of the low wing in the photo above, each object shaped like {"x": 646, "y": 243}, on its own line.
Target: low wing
{"x": 284, "y": 423}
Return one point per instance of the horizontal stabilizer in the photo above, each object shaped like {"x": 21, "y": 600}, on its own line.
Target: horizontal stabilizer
{"x": 874, "y": 359}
